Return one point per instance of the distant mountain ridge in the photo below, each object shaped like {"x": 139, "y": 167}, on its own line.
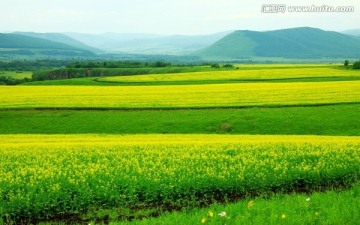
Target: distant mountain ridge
{"x": 354, "y": 32}
{"x": 17, "y": 44}
{"x": 293, "y": 43}
{"x": 303, "y": 42}
{"x": 148, "y": 43}
{"x": 61, "y": 38}
{"x": 23, "y": 41}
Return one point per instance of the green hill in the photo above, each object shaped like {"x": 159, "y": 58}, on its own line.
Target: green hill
{"x": 60, "y": 38}
{"x": 20, "y": 45}
{"x": 288, "y": 43}
{"x": 234, "y": 45}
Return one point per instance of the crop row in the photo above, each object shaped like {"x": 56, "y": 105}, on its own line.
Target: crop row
{"x": 42, "y": 176}
{"x": 183, "y": 96}
{"x": 241, "y": 74}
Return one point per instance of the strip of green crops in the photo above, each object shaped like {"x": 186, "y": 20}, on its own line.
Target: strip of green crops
{"x": 331, "y": 207}
{"x": 336, "y": 120}
{"x": 42, "y": 176}
{"x": 183, "y": 96}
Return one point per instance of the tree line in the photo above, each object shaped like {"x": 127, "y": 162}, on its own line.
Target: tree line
{"x": 356, "y": 64}
{"x": 116, "y": 64}
{"x": 32, "y": 65}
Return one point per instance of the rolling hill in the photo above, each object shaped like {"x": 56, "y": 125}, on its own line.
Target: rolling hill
{"x": 61, "y": 38}
{"x": 293, "y": 43}
{"x": 22, "y": 45}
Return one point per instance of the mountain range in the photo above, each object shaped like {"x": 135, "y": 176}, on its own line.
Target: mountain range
{"x": 61, "y": 38}
{"x": 304, "y": 42}
{"x": 294, "y": 43}
{"x": 148, "y": 43}
{"x": 29, "y": 45}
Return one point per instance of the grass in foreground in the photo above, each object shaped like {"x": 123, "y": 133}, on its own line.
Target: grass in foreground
{"x": 331, "y": 207}
{"x": 54, "y": 176}
{"x": 324, "y": 120}
{"x": 183, "y": 96}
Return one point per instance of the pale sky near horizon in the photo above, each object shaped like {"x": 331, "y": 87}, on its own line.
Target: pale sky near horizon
{"x": 168, "y": 16}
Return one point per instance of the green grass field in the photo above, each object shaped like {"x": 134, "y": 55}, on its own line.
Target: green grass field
{"x": 16, "y": 75}
{"x": 325, "y": 120}
{"x": 267, "y": 144}
{"x": 331, "y": 207}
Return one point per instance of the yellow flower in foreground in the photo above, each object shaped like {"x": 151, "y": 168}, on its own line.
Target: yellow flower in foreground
{"x": 250, "y": 204}
{"x": 210, "y": 214}
{"x": 283, "y": 216}
{"x": 203, "y": 220}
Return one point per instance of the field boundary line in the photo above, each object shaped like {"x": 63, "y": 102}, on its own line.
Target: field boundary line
{"x": 174, "y": 108}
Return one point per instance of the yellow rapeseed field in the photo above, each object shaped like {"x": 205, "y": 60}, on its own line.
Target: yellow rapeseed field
{"x": 180, "y": 96}
{"x": 246, "y": 72}
{"x": 44, "y": 175}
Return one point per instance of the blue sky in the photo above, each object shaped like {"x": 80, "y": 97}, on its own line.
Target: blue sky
{"x": 166, "y": 16}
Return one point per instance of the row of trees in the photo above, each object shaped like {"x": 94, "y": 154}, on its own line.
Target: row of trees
{"x": 356, "y": 65}
{"x": 227, "y": 66}
{"x": 116, "y": 64}
{"x": 31, "y": 65}
{"x": 63, "y": 69}
{"x": 12, "y": 81}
